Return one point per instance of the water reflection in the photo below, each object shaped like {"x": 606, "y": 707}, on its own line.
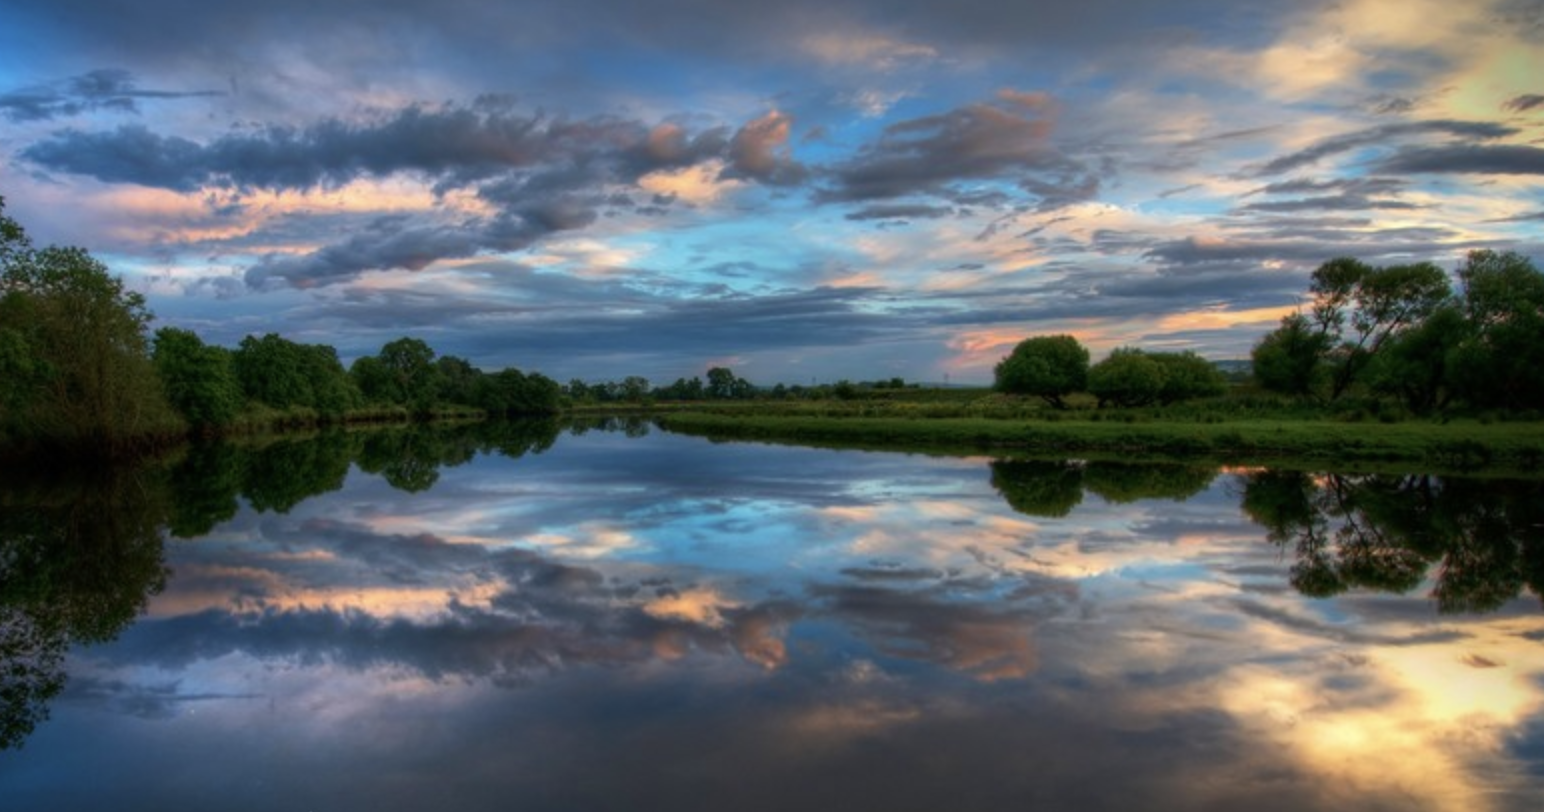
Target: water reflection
{"x": 624, "y": 618}
{"x": 1481, "y": 542}
{"x": 80, "y": 552}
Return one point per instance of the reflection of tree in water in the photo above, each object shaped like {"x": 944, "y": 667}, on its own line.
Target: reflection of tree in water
{"x": 1121, "y": 482}
{"x": 80, "y": 550}
{"x": 79, "y": 556}
{"x": 1039, "y": 488}
{"x": 1481, "y": 541}
{"x": 1052, "y": 489}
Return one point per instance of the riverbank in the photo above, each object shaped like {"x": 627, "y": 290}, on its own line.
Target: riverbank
{"x": 1454, "y": 446}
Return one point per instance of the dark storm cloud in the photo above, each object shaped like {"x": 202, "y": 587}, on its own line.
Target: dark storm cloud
{"x": 1009, "y": 142}
{"x": 1373, "y": 136}
{"x": 97, "y": 90}
{"x": 1524, "y": 103}
{"x": 1502, "y": 159}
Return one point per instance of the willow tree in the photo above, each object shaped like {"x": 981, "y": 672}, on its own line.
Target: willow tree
{"x": 75, "y": 364}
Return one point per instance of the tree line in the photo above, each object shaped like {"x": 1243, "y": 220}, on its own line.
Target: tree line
{"x": 79, "y": 366}
{"x": 721, "y": 384}
{"x": 1055, "y": 367}
{"x": 1402, "y": 333}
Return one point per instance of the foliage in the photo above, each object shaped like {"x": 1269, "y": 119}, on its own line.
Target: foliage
{"x": 1049, "y": 367}
{"x": 1128, "y": 377}
{"x": 1039, "y": 488}
{"x": 1188, "y": 376}
{"x": 1402, "y": 331}
{"x": 283, "y": 374}
{"x": 199, "y": 379}
{"x": 73, "y": 354}
{"x": 1288, "y": 360}
{"x": 1497, "y": 363}
{"x": 1477, "y": 540}
{"x": 80, "y": 552}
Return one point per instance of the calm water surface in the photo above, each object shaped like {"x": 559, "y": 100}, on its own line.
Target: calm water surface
{"x": 637, "y": 620}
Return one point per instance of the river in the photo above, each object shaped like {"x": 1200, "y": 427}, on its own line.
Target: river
{"x": 621, "y": 618}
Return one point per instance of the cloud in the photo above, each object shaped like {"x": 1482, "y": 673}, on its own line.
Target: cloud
{"x": 870, "y": 50}
{"x": 106, "y": 89}
{"x": 542, "y": 174}
{"x": 1528, "y": 217}
{"x": 1373, "y": 136}
{"x": 1524, "y": 103}
{"x": 456, "y": 145}
{"x": 1005, "y": 142}
{"x": 759, "y": 150}
{"x": 1503, "y": 159}
{"x": 899, "y": 211}
{"x": 1353, "y": 194}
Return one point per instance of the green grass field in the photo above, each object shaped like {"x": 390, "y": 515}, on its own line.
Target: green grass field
{"x": 1186, "y": 433}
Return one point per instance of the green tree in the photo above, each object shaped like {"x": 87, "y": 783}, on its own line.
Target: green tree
{"x": 285, "y": 374}
{"x": 1418, "y": 365}
{"x": 1188, "y": 376}
{"x": 1128, "y": 377}
{"x": 457, "y": 380}
{"x": 1290, "y": 359}
{"x": 635, "y": 388}
{"x": 721, "y": 383}
{"x": 1049, "y": 367}
{"x": 73, "y": 345}
{"x": 409, "y": 363}
{"x": 1497, "y": 364}
{"x": 511, "y": 392}
{"x": 200, "y": 380}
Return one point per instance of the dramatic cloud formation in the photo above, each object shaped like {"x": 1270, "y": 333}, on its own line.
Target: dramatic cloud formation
{"x": 507, "y": 179}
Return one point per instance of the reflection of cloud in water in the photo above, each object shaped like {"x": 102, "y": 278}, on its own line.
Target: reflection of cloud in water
{"x": 849, "y": 644}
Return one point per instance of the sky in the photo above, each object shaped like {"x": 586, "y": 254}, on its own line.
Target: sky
{"x": 802, "y": 191}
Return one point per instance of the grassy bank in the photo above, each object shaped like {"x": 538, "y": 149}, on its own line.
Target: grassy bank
{"x": 1456, "y": 446}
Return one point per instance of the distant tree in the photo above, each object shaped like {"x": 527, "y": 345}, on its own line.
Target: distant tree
{"x": 720, "y": 383}
{"x": 635, "y": 388}
{"x": 1188, "y": 376}
{"x": 199, "y": 379}
{"x": 1049, "y": 367}
{"x": 1128, "y": 377}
